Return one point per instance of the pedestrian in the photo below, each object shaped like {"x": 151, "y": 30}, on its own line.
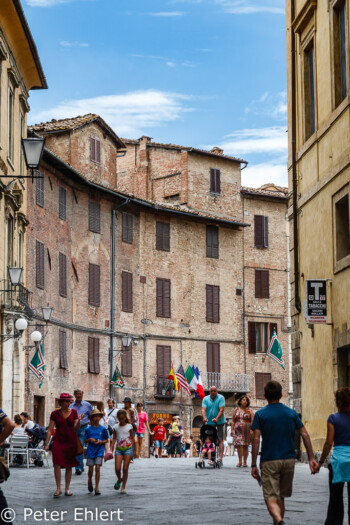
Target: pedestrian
{"x": 242, "y": 419}
{"x": 188, "y": 446}
{"x": 159, "y": 433}
{"x": 213, "y": 407}
{"x": 6, "y": 427}
{"x": 19, "y": 429}
{"x": 27, "y": 422}
{"x": 83, "y": 409}
{"x": 101, "y": 408}
{"x": 338, "y": 436}
{"x": 64, "y": 446}
{"x": 277, "y": 424}
{"x": 133, "y": 417}
{"x": 96, "y": 436}
{"x": 111, "y": 414}
{"x": 175, "y": 435}
{"x": 124, "y": 443}
{"x": 225, "y": 447}
{"x": 140, "y": 432}
{"x": 229, "y": 439}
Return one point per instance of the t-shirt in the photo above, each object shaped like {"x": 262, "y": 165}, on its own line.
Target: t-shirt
{"x": 341, "y": 423}
{"x": 277, "y": 424}
{"x": 100, "y": 433}
{"x": 159, "y": 433}
{"x": 111, "y": 414}
{"x": 142, "y": 422}
{"x": 123, "y": 436}
{"x": 176, "y": 437}
{"x": 19, "y": 430}
{"x": 213, "y": 406}
{"x": 29, "y": 425}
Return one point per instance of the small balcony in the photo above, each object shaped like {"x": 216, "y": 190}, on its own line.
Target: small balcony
{"x": 15, "y": 298}
{"x": 226, "y": 382}
{"x": 164, "y": 388}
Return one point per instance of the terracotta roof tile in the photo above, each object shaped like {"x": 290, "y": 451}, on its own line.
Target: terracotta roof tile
{"x": 268, "y": 190}
{"x": 63, "y": 124}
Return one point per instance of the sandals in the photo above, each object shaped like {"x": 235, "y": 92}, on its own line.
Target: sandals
{"x": 117, "y": 484}
{"x": 123, "y": 491}
{"x": 67, "y": 493}
{"x": 239, "y": 465}
{"x": 57, "y": 494}
{"x": 97, "y": 493}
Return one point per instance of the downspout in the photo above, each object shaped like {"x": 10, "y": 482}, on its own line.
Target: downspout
{"x": 294, "y": 167}
{"x": 111, "y": 351}
{"x": 144, "y": 371}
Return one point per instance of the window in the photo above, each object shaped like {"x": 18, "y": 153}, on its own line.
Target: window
{"x": 163, "y": 361}
{"x": 213, "y": 242}
{"x": 62, "y": 338}
{"x": 94, "y": 217}
{"x": 127, "y": 292}
{"x": 163, "y": 236}
{"x": 127, "y": 361}
{"x": 262, "y": 286}
{"x": 10, "y": 237}
{"x": 212, "y": 303}
{"x": 11, "y": 102}
{"x": 40, "y": 280}
{"x": 213, "y": 357}
{"x": 127, "y": 224}
{"x": 340, "y": 53}
{"x": 309, "y": 91}
{"x": 342, "y": 227}
{"x": 94, "y": 284}
{"x": 261, "y": 231}
{"x": 260, "y": 381}
{"x": 163, "y": 297}
{"x": 215, "y": 182}
{"x": 62, "y": 203}
{"x": 39, "y": 190}
{"x": 62, "y": 270}
{"x": 95, "y": 150}
{"x": 259, "y": 336}
{"x": 94, "y": 355}
{"x": 21, "y": 135}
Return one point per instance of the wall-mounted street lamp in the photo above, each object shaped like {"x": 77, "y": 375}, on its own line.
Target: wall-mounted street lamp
{"x": 126, "y": 341}
{"x": 33, "y": 148}
{"x": 15, "y": 275}
{"x": 47, "y": 313}
{"x": 36, "y": 337}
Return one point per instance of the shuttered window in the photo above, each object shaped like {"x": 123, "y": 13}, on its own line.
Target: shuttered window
{"x": 127, "y": 225}
{"x": 94, "y": 217}
{"x": 39, "y": 190}
{"x": 62, "y": 278}
{"x": 213, "y": 357}
{"x": 215, "y": 181}
{"x": 62, "y": 205}
{"x": 259, "y": 336}
{"x": 62, "y": 338}
{"x": 163, "y": 236}
{"x": 95, "y": 150}
{"x": 127, "y": 361}
{"x": 212, "y": 303}
{"x": 260, "y": 381}
{"x": 127, "y": 292}
{"x": 262, "y": 285}
{"x": 94, "y": 355}
{"x": 163, "y": 361}
{"x": 213, "y": 242}
{"x": 94, "y": 284}
{"x": 261, "y": 231}
{"x": 40, "y": 265}
{"x": 163, "y": 297}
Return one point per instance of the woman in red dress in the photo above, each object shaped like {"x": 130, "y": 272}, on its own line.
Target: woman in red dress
{"x": 64, "y": 445}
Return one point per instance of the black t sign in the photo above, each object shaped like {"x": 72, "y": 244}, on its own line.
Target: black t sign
{"x": 316, "y": 301}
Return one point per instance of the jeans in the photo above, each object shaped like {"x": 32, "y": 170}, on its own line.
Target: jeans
{"x": 3, "y": 505}
{"x": 81, "y": 436}
{"x": 335, "y": 513}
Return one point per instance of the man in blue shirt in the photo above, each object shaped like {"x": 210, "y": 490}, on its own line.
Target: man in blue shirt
{"x": 277, "y": 424}
{"x": 213, "y": 407}
{"x": 82, "y": 407}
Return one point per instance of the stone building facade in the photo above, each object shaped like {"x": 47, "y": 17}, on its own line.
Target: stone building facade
{"x": 319, "y": 179}
{"x": 185, "y": 266}
{"x": 20, "y": 72}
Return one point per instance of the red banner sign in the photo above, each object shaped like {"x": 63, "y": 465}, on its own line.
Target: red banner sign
{"x": 153, "y": 418}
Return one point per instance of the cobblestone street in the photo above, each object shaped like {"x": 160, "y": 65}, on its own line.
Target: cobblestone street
{"x": 166, "y": 491}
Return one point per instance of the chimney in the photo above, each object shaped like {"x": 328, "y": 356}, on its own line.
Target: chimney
{"x": 145, "y": 140}
{"x": 217, "y": 150}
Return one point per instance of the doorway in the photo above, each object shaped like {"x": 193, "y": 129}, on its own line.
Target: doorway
{"x": 39, "y": 410}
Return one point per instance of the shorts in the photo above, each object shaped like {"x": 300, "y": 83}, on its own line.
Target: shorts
{"x": 127, "y": 452}
{"x": 220, "y": 431}
{"x": 140, "y": 434}
{"x": 90, "y": 462}
{"x": 208, "y": 447}
{"x": 277, "y": 477}
{"x": 159, "y": 444}
{"x": 175, "y": 447}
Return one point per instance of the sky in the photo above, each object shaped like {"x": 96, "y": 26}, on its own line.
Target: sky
{"x": 198, "y": 73}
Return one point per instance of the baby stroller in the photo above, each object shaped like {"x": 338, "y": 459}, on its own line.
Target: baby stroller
{"x": 37, "y": 437}
{"x": 209, "y": 431}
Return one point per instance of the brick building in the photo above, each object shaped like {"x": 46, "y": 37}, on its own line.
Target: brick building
{"x": 197, "y": 279}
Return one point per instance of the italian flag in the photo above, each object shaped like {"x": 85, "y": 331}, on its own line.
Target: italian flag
{"x": 193, "y": 382}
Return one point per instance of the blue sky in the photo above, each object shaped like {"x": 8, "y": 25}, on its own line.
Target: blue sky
{"x": 199, "y": 73}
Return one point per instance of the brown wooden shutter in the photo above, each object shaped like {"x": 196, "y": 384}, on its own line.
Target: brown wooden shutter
{"x": 260, "y": 381}
{"x": 63, "y": 349}
{"x": 209, "y": 303}
{"x": 212, "y": 242}
{"x": 216, "y": 304}
{"x": 163, "y": 297}
{"x": 98, "y": 150}
{"x": 167, "y": 298}
{"x": 97, "y": 355}
{"x": 266, "y": 232}
{"x": 213, "y": 357}
{"x": 62, "y": 263}
{"x": 252, "y": 337}
{"x": 265, "y": 284}
{"x": 258, "y": 284}
{"x": 167, "y": 360}
{"x": 212, "y": 303}
{"x": 127, "y": 227}
{"x": 159, "y": 297}
{"x": 163, "y": 236}
{"x": 127, "y": 361}
{"x": 94, "y": 216}
{"x": 212, "y": 180}
{"x": 94, "y": 284}
{"x": 92, "y": 149}
{"x": 40, "y": 265}
{"x": 91, "y": 363}
{"x": 163, "y": 361}
{"x": 62, "y": 203}
{"x": 217, "y": 181}
{"x": 127, "y": 298}
{"x": 259, "y": 231}
{"x": 40, "y": 190}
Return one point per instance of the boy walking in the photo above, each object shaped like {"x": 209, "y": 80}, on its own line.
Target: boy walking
{"x": 159, "y": 432}
{"x": 96, "y": 436}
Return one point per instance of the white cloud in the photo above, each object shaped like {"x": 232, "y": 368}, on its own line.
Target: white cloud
{"x": 246, "y": 7}
{"x": 66, "y": 43}
{"x": 170, "y": 62}
{"x": 255, "y": 175}
{"x": 167, "y": 13}
{"x": 273, "y": 140}
{"x": 271, "y": 105}
{"x": 129, "y": 114}
{"x": 46, "y": 3}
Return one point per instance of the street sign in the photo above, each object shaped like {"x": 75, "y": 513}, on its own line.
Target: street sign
{"x": 316, "y": 301}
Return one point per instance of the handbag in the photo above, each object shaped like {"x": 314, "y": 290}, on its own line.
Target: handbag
{"x": 4, "y": 470}
{"x": 80, "y": 448}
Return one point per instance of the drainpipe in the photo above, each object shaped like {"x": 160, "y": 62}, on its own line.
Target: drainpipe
{"x": 144, "y": 371}
{"x": 111, "y": 351}
{"x": 294, "y": 168}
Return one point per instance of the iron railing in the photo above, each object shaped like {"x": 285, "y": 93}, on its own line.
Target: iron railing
{"x": 164, "y": 388}
{"x": 225, "y": 381}
{"x": 16, "y": 298}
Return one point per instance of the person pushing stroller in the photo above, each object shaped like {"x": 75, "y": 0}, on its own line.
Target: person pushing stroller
{"x": 213, "y": 407}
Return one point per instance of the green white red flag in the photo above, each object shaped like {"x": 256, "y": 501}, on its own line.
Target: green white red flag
{"x": 37, "y": 364}
{"x": 117, "y": 378}
{"x": 275, "y": 350}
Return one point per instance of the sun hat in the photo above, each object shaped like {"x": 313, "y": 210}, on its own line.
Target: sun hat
{"x": 96, "y": 412}
{"x": 65, "y": 396}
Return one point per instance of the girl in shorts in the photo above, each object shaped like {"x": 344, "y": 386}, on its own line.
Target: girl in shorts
{"x": 123, "y": 440}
